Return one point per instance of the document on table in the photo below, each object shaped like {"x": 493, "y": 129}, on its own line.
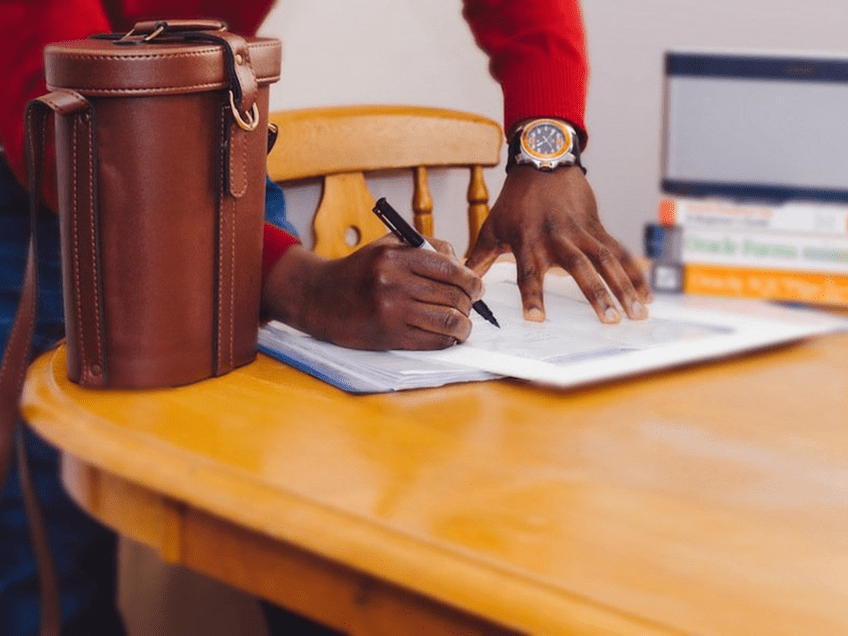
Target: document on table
{"x": 571, "y": 348}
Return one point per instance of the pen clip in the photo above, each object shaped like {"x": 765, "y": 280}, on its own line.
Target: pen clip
{"x": 388, "y": 223}
{"x": 397, "y": 224}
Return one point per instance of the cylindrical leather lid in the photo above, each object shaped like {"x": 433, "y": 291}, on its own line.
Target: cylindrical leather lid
{"x": 99, "y": 67}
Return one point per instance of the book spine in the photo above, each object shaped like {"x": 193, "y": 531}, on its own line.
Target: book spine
{"x": 796, "y": 217}
{"x": 724, "y": 280}
{"x": 764, "y": 250}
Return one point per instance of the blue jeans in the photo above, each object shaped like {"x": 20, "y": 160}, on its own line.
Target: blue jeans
{"x": 84, "y": 551}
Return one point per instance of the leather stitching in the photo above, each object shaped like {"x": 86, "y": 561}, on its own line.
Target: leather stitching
{"x": 86, "y": 119}
{"x": 221, "y": 199}
{"x": 74, "y": 212}
{"x": 153, "y": 90}
{"x": 240, "y": 137}
{"x": 232, "y": 282}
{"x": 244, "y": 165}
{"x": 118, "y": 91}
{"x": 97, "y": 57}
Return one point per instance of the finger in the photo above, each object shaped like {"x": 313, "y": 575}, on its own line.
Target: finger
{"x": 578, "y": 264}
{"x": 417, "y": 339}
{"x": 486, "y": 249}
{"x": 530, "y": 277}
{"x": 637, "y": 276}
{"x": 441, "y": 269}
{"x": 431, "y": 292}
{"x": 634, "y": 272}
{"x": 606, "y": 262}
{"x": 436, "y": 326}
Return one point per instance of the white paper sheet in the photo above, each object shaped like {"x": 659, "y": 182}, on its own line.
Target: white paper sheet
{"x": 570, "y": 348}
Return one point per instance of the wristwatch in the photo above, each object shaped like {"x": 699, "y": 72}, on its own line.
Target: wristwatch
{"x": 545, "y": 143}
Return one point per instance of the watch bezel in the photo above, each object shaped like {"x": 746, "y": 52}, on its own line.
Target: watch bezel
{"x": 568, "y": 156}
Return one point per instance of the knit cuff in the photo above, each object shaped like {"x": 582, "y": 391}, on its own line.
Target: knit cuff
{"x": 538, "y": 91}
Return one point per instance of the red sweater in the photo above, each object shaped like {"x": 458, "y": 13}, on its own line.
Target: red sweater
{"x": 536, "y": 50}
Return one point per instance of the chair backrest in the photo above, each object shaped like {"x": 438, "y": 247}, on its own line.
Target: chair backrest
{"x": 341, "y": 144}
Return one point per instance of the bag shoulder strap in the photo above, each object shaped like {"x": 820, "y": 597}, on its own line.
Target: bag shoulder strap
{"x": 19, "y": 345}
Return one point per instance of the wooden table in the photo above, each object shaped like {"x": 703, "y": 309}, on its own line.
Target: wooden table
{"x": 705, "y": 500}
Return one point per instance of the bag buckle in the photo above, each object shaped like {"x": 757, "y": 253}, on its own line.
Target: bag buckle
{"x": 250, "y": 120}
{"x": 126, "y": 38}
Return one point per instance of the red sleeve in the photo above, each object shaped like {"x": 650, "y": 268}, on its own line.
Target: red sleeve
{"x": 25, "y": 28}
{"x": 537, "y": 52}
{"x": 274, "y": 245}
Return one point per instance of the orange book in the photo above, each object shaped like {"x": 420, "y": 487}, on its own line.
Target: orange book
{"x": 807, "y": 287}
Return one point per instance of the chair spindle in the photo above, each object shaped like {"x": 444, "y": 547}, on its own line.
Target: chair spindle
{"x": 422, "y": 202}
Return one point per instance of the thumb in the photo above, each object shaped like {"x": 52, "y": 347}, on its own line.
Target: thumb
{"x": 483, "y": 254}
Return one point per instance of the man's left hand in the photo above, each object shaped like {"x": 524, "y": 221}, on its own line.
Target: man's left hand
{"x": 551, "y": 218}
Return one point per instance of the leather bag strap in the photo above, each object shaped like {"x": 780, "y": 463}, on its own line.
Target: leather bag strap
{"x": 19, "y": 345}
{"x": 153, "y": 28}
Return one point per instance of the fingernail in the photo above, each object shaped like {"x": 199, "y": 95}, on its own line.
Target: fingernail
{"x": 534, "y": 314}
{"x": 637, "y": 310}
{"x": 611, "y": 315}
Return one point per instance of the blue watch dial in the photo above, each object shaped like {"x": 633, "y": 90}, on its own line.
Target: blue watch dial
{"x": 547, "y": 140}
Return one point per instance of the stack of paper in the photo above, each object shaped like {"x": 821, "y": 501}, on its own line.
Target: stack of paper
{"x": 360, "y": 371}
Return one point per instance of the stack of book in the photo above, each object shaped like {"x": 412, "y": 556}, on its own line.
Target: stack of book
{"x": 791, "y": 251}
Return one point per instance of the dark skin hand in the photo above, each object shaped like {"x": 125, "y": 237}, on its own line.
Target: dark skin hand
{"x": 551, "y": 218}
{"x": 383, "y": 296}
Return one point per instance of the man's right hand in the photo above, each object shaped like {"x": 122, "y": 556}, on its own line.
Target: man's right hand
{"x": 383, "y": 296}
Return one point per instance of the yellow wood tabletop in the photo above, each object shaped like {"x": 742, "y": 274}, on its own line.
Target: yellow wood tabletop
{"x": 710, "y": 499}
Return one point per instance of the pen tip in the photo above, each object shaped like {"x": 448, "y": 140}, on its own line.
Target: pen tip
{"x": 481, "y": 308}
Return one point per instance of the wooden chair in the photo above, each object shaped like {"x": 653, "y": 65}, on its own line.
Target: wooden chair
{"x": 341, "y": 144}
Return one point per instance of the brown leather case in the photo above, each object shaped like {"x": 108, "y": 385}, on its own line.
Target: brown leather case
{"x": 161, "y": 182}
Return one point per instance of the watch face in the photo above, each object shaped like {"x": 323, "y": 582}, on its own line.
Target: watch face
{"x": 546, "y": 139}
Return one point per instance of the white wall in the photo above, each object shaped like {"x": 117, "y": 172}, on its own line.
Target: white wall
{"x": 409, "y": 51}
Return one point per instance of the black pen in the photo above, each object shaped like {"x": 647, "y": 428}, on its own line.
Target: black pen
{"x": 408, "y": 234}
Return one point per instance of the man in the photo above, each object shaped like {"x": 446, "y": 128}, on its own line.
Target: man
{"x": 544, "y": 216}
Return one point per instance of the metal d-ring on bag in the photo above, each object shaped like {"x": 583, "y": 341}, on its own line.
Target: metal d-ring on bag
{"x": 161, "y": 161}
